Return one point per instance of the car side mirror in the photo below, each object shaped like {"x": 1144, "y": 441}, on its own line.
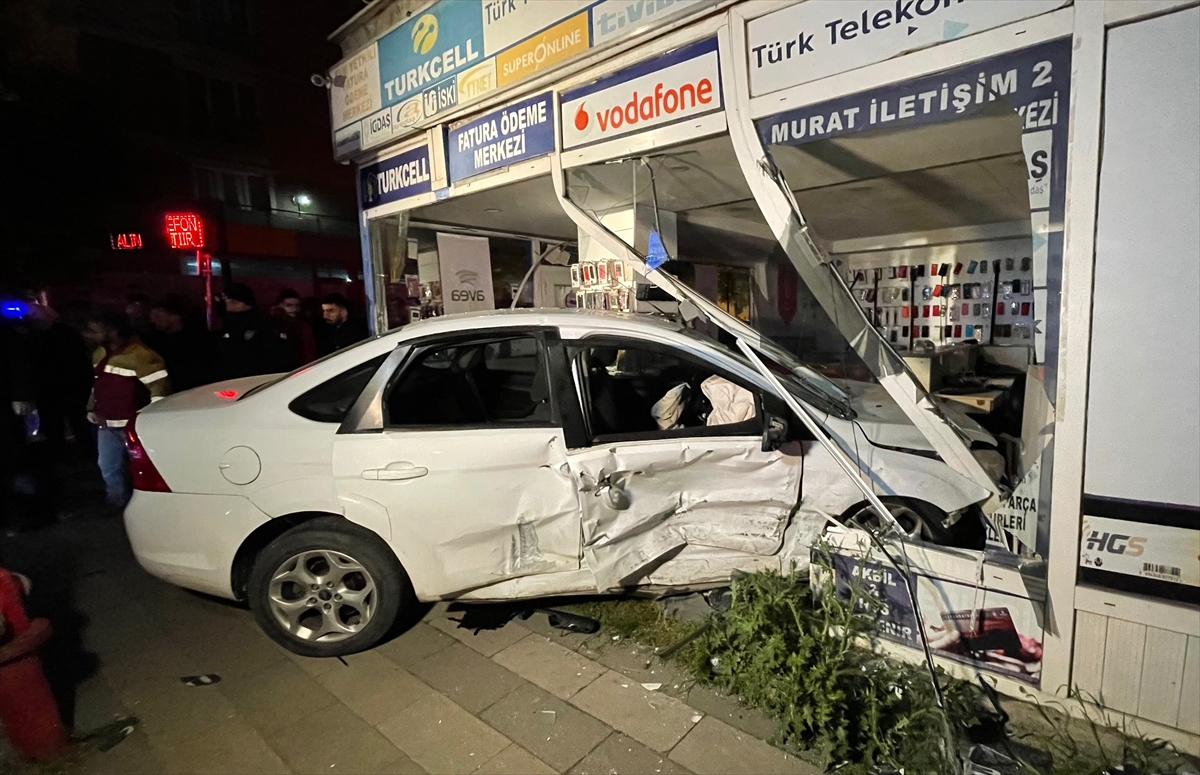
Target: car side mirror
{"x": 775, "y": 432}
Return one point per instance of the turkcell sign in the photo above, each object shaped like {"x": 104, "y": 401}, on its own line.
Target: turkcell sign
{"x": 399, "y": 177}
{"x": 507, "y": 136}
{"x": 680, "y": 85}
{"x": 425, "y": 53}
{"x": 819, "y": 38}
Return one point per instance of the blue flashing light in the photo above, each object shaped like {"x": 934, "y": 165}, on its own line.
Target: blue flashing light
{"x": 13, "y": 310}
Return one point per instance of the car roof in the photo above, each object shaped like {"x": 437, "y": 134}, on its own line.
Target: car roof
{"x": 591, "y": 321}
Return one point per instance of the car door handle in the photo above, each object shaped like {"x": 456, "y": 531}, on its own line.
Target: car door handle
{"x": 395, "y": 474}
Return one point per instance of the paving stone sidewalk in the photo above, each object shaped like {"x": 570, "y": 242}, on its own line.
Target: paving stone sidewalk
{"x": 525, "y": 698}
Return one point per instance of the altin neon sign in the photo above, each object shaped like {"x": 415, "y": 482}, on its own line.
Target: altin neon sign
{"x": 126, "y": 241}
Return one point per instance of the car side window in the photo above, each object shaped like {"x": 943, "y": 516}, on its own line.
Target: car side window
{"x": 634, "y": 391}
{"x": 332, "y": 399}
{"x": 500, "y": 381}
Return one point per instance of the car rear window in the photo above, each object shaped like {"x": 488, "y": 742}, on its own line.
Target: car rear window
{"x": 329, "y": 401}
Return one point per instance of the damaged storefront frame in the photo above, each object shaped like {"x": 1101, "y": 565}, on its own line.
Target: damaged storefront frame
{"x": 889, "y": 368}
{"x": 1005, "y": 49}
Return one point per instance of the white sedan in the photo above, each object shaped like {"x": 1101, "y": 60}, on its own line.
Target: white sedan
{"x": 509, "y": 455}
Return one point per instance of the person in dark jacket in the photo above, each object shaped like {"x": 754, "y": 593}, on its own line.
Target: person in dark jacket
{"x": 183, "y": 344}
{"x": 341, "y": 330}
{"x": 17, "y": 386}
{"x": 249, "y": 342}
{"x": 62, "y": 368}
{"x": 299, "y": 343}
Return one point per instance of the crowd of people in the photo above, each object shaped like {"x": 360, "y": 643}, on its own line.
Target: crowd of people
{"x": 71, "y": 383}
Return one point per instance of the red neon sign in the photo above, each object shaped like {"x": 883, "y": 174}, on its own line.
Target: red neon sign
{"x": 126, "y": 241}
{"x": 185, "y": 231}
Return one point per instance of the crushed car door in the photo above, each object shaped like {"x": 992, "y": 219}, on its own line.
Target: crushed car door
{"x": 469, "y": 462}
{"x": 675, "y": 468}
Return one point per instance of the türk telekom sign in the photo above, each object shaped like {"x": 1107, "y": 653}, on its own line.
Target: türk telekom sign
{"x": 681, "y": 85}
{"x": 819, "y": 38}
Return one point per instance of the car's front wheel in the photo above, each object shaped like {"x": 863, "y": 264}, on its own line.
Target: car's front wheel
{"x": 328, "y": 587}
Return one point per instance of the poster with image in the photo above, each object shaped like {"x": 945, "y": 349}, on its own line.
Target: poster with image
{"x": 989, "y": 630}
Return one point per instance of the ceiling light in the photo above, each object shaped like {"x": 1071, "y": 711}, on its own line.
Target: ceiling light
{"x": 492, "y": 210}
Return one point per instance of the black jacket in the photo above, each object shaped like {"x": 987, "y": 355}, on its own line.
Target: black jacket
{"x": 188, "y": 354}
{"x": 249, "y": 344}
{"x": 62, "y": 366}
{"x": 333, "y": 338}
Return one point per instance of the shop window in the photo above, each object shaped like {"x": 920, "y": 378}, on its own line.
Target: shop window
{"x": 633, "y": 391}
{"x": 717, "y": 241}
{"x": 496, "y": 382}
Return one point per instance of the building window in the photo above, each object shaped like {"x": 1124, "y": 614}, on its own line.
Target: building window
{"x": 246, "y": 190}
{"x": 221, "y": 110}
{"x": 226, "y": 23}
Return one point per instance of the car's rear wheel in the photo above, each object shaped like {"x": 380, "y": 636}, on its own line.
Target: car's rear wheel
{"x": 327, "y": 588}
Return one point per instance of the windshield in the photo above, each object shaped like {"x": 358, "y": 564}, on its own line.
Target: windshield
{"x": 803, "y": 382}
{"x": 688, "y": 211}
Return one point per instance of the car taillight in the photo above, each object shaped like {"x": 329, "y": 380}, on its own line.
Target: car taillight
{"x": 145, "y": 476}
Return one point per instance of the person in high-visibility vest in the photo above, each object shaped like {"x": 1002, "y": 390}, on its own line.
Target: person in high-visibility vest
{"x": 128, "y": 376}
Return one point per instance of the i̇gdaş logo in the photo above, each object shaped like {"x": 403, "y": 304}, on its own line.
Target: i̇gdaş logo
{"x": 689, "y": 87}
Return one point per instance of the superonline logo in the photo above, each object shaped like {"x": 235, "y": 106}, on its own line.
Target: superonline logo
{"x": 648, "y": 107}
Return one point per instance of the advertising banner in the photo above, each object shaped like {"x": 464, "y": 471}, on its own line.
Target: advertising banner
{"x": 986, "y": 629}
{"x": 355, "y": 89}
{"x": 543, "y": 51}
{"x": 397, "y": 178}
{"x": 612, "y": 19}
{"x": 680, "y": 85}
{"x": 1143, "y": 550}
{"x": 465, "y": 264}
{"x": 819, "y": 38}
{"x": 509, "y": 135}
{"x": 458, "y": 51}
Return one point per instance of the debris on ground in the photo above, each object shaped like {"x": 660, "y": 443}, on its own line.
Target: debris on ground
{"x": 208, "y": 679}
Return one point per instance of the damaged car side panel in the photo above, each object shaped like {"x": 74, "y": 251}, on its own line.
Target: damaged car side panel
{"x": 644, "y": 502}
{"x": 499, "y": 516}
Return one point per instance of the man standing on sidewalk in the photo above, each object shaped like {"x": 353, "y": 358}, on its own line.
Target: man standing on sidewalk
{"x": 341, "y": 329}
{"x": 129, "y": 375}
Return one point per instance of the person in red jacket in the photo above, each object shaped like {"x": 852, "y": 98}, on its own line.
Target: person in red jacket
{"x": 128, "y": 376}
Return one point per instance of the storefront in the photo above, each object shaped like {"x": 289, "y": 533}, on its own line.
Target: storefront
{"x": 908, "y": 198}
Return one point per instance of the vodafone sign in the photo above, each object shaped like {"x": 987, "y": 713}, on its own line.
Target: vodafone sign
{"x": 683, "y": 84}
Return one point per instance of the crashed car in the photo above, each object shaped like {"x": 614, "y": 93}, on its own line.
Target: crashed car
{"x": 510, "y": 455}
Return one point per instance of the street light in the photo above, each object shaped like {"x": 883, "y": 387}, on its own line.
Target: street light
{"x": 301, "y": 201}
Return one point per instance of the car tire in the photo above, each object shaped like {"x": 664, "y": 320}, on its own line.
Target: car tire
{"x": 327, "y": 588}
{"x": 921, "y": 521}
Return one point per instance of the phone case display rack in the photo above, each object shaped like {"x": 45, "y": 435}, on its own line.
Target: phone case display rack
{"x": 985, "y": 301}
{"x": 609, "y": 285}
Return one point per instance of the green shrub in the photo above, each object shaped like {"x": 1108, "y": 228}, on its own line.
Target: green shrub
{"x": 805, "y": 659}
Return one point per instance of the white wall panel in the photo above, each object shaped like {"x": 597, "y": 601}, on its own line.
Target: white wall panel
{"x": 1143, "y": 429}
{"x": 1162, "y": 674}
{"x": 1189, "y": 695}
{"x": 1088, "y": 666}
{"x": 1123, "y": 651}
